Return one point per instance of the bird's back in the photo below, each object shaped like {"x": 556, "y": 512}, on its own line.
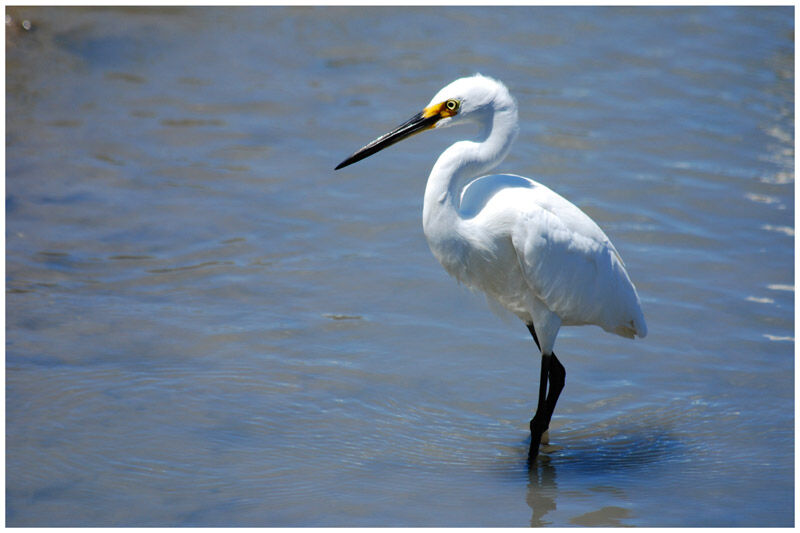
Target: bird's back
{"x": 553, "y": 254}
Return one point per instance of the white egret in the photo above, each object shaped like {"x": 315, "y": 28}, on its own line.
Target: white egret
{"x": 523, "y": 245}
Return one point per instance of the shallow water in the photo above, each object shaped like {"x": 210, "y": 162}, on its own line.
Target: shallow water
{"x": 205, "y": 325}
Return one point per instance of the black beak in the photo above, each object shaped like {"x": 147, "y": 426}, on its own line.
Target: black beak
{"x": 415, "y": 124}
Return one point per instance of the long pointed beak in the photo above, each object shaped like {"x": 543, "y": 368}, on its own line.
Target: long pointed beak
{"x": 419, "y": 122}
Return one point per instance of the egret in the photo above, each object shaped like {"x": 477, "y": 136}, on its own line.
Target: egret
{"x": 523, "y": 245}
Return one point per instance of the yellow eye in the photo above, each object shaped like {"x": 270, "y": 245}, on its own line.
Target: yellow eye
{"x": 452, "y": 105}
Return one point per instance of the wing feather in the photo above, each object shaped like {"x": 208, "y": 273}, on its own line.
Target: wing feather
{"x": 572, "y": 266}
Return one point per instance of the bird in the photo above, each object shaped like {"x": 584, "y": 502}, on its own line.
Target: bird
{"x": 527, "y": 248}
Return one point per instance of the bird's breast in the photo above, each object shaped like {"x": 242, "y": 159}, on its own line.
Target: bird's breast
{"x": 481, "y": 261}
{"x": 450, "y": 249}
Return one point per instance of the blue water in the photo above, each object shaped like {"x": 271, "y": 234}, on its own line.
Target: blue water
{"x": 208, "y": 326}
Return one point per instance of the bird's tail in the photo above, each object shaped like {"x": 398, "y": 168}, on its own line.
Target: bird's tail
{"x": 636, "y": 327}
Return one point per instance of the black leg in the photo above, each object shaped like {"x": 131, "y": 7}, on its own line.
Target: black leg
{"x": 557, "y": 377}
{"x": 533, "y": 334}
{"x": 552, "y": 372}
{"x": 541, "y": 420}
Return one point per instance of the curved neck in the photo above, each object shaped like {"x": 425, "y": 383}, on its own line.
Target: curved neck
{"x": 465, "y": 160}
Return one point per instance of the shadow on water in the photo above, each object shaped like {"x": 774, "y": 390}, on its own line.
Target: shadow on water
{"x": 585, "y": 454}
{"x": 615, "y": 450}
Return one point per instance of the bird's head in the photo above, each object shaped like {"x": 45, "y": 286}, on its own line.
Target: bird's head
{"x": 469, "y": 99}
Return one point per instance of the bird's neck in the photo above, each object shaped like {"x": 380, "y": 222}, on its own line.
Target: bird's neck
{"x": 466, "y": 160}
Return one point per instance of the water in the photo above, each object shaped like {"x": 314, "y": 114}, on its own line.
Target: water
{"x": 205, "y": 325}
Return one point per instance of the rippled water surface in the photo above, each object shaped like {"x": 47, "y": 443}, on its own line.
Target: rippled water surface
{"x": 205, "y": 325}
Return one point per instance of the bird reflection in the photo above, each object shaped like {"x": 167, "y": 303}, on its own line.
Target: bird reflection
{"x": 542, "y": 490}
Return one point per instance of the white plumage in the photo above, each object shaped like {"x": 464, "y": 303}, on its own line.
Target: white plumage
{"x": 523, "y": 245}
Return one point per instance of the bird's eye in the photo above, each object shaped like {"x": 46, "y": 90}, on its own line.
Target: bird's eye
{"x": 452, "y": 105}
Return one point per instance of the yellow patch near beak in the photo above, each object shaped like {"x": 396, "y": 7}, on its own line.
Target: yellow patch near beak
{"x": 433, "y": 110}
{"x": 441, "y": 110}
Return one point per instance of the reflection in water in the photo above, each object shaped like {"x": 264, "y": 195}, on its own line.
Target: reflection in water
{"x": 629, "y": 445}
{"x": 609, "y": 516}
{"x": 542, "y": 490}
